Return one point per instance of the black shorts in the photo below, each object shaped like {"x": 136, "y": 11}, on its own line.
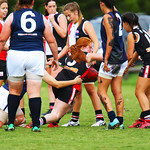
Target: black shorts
{"x": 61, "y": 60}
{"x": 145, "y": 72}
{"x": 3, "y": 70}
{"x": 66, "y": 94}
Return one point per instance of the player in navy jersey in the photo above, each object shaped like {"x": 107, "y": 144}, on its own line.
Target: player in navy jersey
{"x": 114, "y": 62}
{"x": 139, "y": 40}
{"x": 25, "y": 58}
{"x": 75, "y": 65}
{"x": 80, "y": 27}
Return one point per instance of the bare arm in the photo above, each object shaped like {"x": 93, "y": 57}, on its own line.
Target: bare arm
{"x": 48, "y": 35}
{"x": 108, "y": 24}
{"x": 92, "y": 57}
{"x": 64, "y": 51}
{"x": 91, "y": 32}
{"x": 60, "y": 28}
{"x": 6, "y": 31}
{"x": 135, "y": 56}
{"x": 130, "y": 48}
{"x": 59, "y": 84}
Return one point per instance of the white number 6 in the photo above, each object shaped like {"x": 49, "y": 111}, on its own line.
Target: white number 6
{"x": 24, "y": 21}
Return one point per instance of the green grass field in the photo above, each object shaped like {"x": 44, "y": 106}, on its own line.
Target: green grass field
{"x": 84, "y": 136}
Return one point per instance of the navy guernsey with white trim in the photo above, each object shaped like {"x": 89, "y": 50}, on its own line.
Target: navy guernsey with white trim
{"x": 118, "y": 54}
{"x": 27, "y": 30}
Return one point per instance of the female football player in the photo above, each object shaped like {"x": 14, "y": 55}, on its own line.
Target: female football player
{"x": 139, "y": 40}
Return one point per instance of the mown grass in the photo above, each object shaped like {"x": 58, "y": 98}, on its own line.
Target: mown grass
{"x": 82, "y": 137}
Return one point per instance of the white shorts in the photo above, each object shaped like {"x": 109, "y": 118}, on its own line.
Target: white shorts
{"x": 3, "y": 99}
{"x": 111, "y": 74}
{"x": 20, "y": 62}
{"x": 4, "y": 115}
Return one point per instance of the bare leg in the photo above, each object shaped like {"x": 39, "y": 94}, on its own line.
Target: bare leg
{"x": 148, "y": 95}
{"x": 103, "y": 85}
{"x": 59, "y": 110}
{"x": 117, "y": 92}
{"x": 22, "y": 103}
{"x": 143, "y": 84}
{"x": 78, "y": 101}
{"x": 90, "y": 88}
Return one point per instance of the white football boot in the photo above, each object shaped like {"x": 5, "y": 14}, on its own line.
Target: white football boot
{"x": 99, "y": 123}
{"x": 71, "y": 123}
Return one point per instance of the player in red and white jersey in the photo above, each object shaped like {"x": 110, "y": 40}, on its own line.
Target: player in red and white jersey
{"x": 3, "y": 53}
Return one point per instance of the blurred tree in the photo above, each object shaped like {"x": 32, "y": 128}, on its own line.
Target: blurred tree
{"x": 90, "y": 8}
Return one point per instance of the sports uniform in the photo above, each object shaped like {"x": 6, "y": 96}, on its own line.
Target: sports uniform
{"x": 29, "y": 55}
{"x": 70, "y": 71}
{"x": 61, "y": 42}
{"x": 142, "y": 47}
{"x": 75, "y": 32}
{"x": 4, "y": 92}
{"x": 117, "y": 61}
{"x": 3, "y": 55}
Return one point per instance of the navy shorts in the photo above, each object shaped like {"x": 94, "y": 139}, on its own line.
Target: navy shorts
{"x": 3, "y": 70}
{"x": 145, "y": 72}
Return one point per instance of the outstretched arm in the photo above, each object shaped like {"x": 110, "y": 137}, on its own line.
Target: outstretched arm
{"x": 93, "y": 57}
{"x": 59, "y": 84}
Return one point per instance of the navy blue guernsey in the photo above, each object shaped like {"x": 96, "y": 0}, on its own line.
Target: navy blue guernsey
{"x": 118, "y": 54}
{"x": 27, "y": 30}
{"x": 142, "y": 46}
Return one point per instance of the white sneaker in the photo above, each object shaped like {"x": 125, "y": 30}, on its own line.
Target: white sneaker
{"x": 71, "y": 123}
{"x": 99, "y": 123}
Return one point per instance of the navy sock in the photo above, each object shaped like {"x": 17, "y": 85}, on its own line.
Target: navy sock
{"x": 35, "y": 109}
{"x": 120, "y": 119}
{"x": 111, "y": 116}
{"x": 75, "y": 116}
{"x": 99, "y": 115}
{"x": 13, "y": 103}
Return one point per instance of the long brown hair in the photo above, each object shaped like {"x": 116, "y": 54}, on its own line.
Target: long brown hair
{"x": 73, "y": 6}
{"x": 76, "y": 53}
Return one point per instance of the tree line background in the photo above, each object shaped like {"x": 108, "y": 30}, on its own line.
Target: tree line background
{"x": 90, "y": 8}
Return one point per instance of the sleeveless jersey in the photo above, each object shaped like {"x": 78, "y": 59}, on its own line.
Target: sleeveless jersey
{"x": 142, "y": 46}
{"x": 3, "y": 53}
{"x": 61, "y": 42}
{"x": 75, "y": 32}
{"x": 118, "y": 54}
{"x": 27, "y": 30}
